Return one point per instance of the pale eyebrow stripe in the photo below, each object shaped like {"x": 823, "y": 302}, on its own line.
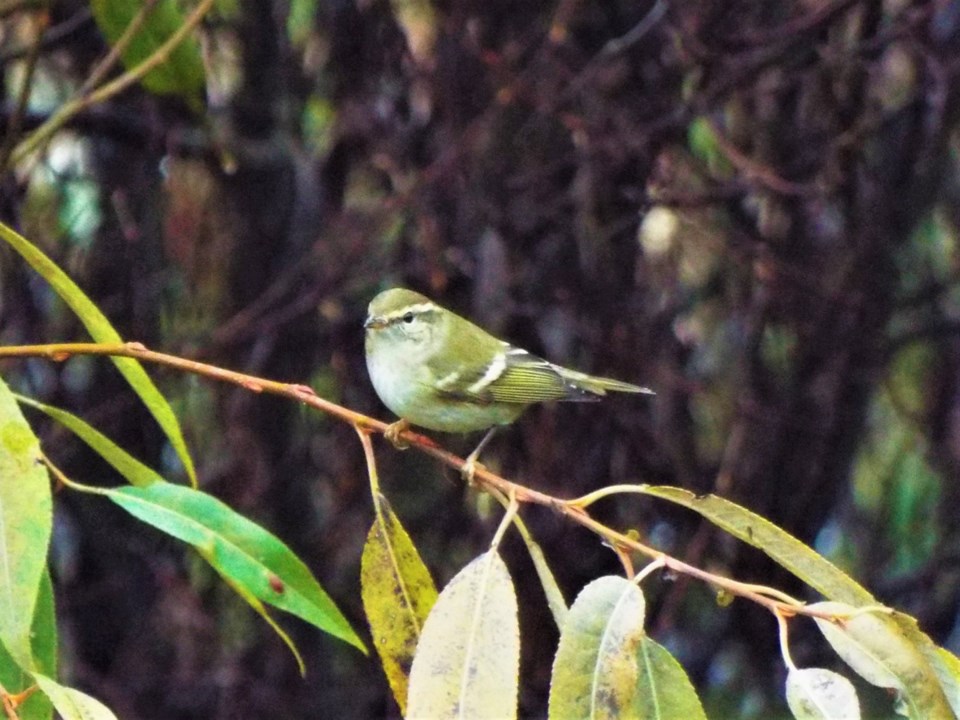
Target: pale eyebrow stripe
{"x": 415, "y": 309}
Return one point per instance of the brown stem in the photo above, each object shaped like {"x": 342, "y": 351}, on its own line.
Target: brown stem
{"x": 491, "y": 482}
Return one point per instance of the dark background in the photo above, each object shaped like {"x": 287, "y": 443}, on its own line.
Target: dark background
{"x": 751, "y": 207}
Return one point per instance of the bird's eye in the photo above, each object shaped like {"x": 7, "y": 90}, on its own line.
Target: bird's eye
{"x": 408, "y": 317}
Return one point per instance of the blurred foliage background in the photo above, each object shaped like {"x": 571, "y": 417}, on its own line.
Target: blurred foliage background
{"x": 750, "y": 206}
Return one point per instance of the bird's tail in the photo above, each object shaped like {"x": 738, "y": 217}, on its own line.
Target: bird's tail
{"x": 602, "y": 385}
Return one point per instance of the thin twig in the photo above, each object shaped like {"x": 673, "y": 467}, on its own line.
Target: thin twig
{"x": 15, "y": 121}
{"x": 754, "y": 170}
{"x": 114, "y": 87}
{"x": 497, "y": 485}
{"x": 11, "y": 701}
{"x": 53, "y": 38}
{"x": 104, "y": 67}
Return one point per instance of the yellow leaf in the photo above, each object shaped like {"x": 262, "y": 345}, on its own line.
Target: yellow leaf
{"x": 595, "y": 671}
{"x": 468, "y": 659}
{"x": 397, "y": 593}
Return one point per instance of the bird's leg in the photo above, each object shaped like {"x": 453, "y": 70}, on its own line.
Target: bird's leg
{"x": 470, "y": 466}
{"x": 393, "y": 431}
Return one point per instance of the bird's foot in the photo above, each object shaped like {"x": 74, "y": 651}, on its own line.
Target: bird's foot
{"x": 469, "y": 471}
{"x": 393, "y": 432}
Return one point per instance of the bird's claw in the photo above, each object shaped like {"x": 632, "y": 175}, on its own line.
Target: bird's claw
{"x": 393, "y": 432}
{"x": 469, "y": 471}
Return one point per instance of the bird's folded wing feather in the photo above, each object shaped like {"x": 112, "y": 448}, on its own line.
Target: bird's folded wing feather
{"x": 513, "y": 376}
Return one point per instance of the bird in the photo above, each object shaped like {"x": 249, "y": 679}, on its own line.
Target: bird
{"x": 439, "y": 371}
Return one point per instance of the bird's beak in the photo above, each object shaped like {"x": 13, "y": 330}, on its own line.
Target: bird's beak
{"x": 374, "y": 322}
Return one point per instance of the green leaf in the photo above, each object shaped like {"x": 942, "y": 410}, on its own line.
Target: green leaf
{"x": 73, "y": 704}
{"x": 102, "y": 331}
{"x": 819, "y": 694}
{"x": 702, "y": 141}
{"x": 913, "y": 670}
{"x": 795, "y": 556}
{"x": 468, "y": 658}
{"x": 43, "y": 642}
{"x": 397, "y": 593}
{"x": 664, "y": 691}
{"x": 26, "y": 522}
{"x": 595, "y": 672}
{"x": 945, "y": 665}
{"x": 238, "y": 549}
{"x": 878, "y": 649}
{"x": 260, "y": 609}
{"x": 140, "y": 475}
{"x": 555, "y": 601}
{"x": 182, "y": 73}
{"x": 134, "y": 471}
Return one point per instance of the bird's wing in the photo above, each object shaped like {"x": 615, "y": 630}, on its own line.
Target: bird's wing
{"x": 512, "y": 376}
{"x": 528, "y": 378}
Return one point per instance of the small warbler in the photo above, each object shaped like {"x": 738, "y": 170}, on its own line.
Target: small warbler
{"x": 438, "y": 370}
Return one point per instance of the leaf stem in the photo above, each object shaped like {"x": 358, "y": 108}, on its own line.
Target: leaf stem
{"x": 651, "y": 567}
{"x": 64, "y": 480}
{"x": 784, "y": 641}
{"x": 508, "y": 517}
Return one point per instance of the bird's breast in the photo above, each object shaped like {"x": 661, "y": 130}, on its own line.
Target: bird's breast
{"x": 405, "y": 385}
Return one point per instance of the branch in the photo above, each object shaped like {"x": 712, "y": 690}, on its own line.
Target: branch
{"x": 753, "y": 170}
{"x": 15, "y": 120}
{"x": 53, "y": 38}
{"x": 773, "y": 600}
{"x": 119, "y": 47}
{"x": 114, "y": 87}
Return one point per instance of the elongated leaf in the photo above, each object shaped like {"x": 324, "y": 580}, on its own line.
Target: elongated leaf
{"x": 795, "y": 556}
{"x": 945, "y": 664}
{"x": 142, "y": 476}
{"x": 237, "y": 548}
{"x": 468, "y": 658}
{"x": 260, "y": 609}
{"x": 134, "y": 471}
{"x": 397, "y": 593}
{"x": 555, "y": 601}
{"x": 102, "y": 331}
{"x": 595, "y": 672}
{"x": 664, "y": 691}
{"x": 819, "y": 694}
{"x": 182, "y": 73}
{"x": 878, "y": 650}
{"x": 73, "y": 704}
{"x": 43, "y": 641}
{"x": 947, "y": 667}
{"x": 26, "y": 522}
